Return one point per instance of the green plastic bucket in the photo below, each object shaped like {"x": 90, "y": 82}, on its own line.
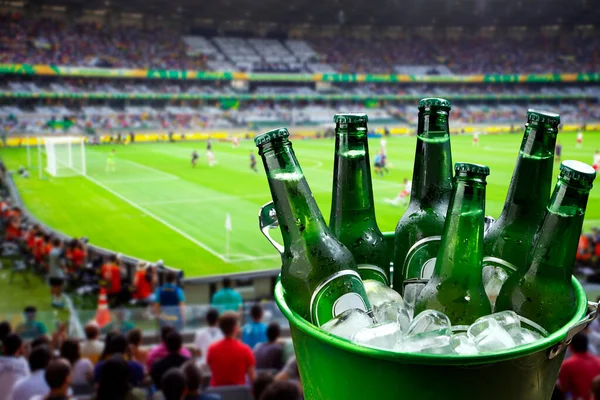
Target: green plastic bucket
{"x": 335, "y": 369}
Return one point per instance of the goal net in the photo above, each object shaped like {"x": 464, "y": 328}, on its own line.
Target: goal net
{"x": 65, "y": 156}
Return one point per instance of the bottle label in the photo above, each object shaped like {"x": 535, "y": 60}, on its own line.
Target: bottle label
{"x": 370, "y": 271}
{"x": 342, "y": 291}
{"x": 420, "y": 259}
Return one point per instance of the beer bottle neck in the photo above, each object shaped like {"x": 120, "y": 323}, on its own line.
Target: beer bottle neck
{"x": 532, "y": 178}
{"x": 462, "y": 240}
{"x": 297, "y": 210}
{"x": 352, "y": 199}
{"x": 432, "y": 175}
{"x": 553, "y": 255}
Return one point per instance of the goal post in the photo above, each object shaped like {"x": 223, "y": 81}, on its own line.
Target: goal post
{"x": 65, "y": 155}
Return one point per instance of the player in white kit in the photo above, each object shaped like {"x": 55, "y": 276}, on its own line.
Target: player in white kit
{"x": 596, "y": 163}
{"x": 579, "y": 140}
{"x": 403, "y": 196}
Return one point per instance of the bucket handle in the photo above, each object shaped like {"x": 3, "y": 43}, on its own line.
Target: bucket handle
{"x": 267, "y": 220}
{"x": 574, "y": 330}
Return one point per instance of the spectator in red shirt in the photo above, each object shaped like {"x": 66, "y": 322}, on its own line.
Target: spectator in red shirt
{"x": 578, "y": 371}
{"x": 230, "y": 360}
{"x": 143, "y": 283}
{"x": 76, "y": 255}
{"x": 111, "y": 274}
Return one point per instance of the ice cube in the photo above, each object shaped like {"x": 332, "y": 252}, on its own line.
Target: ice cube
{"x": 379, "y": 294}
{"x": 411, "y": 293}
{"x": 493, "y": 279}
{"x": 506, "y": 319}
{"x": 429, "y": 323}
{"x": 384, "y": 336}
{"x": 489, "y": 335}
{"x": 436, "y": 344}
{"x": 392, "y": 312}
{"x": 348, "y": 323}
{"x": 523, "y": 336}
{"x": 463, "y": 344}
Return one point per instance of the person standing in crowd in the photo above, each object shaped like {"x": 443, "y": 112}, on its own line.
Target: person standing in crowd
{"x": 111, "y": 275}
{"x": 91, "y": 347}
{"x": 169, "y": 302}
{"x": 207, "y": 335}
{"x": 230, "y": 360}
{"x": 5, "y": 330}
{"x": 227, "y": 299}
{"x": 269, "y": 355}
{"x": 281, "y": 391}
{"x": 82, "y": 368}
{"x": 117, "y": 348}
{"x": 193, "y": 382}
{"x": 58, "y": 378}
{"x": 13, "y": 366}
{"x": 143, "y": 283}
{"x": 31, "y": 328}
{"x": 35, "y": 384}
{"x": 56, "y": 273}
{"x": 173, "y": 360}
{"x": 139, "y": 354}
{"x": 578, "y": 371}
{"x": 114, "y": 382}
{"x": 160, "y": 351}
{"x": 262, "y": 382}
{"x": 255, "y": 332}
{"x": 75, "y": 255}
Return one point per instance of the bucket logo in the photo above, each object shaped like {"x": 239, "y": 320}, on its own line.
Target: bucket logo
{"x": 420, "y": 259}
{"x": 370, "y": 271}
{"x": 494, "y": 262}
{"x": 342, "y": 291}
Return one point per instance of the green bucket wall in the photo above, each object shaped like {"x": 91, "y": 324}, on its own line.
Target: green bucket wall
{"x": 335, "y": 369}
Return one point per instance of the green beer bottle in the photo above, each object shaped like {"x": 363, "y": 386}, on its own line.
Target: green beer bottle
{"x": 318, "y": 273}
{"x": 509, "y": 239}
{"x": 456, "y": 286}
{"x": 417, "y": 239}
{"x": 544, "y": 294}
{"x": 352, "y": 218}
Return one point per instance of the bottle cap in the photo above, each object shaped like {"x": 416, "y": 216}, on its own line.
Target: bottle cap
{"x": 437, "y": 102}
{"x": 544, "y": 117}
{"x": 270, "y": 135}
{"x": 351, "y": 118}
{"x": 478, "y": 169}
{"x": 577, "y": 172}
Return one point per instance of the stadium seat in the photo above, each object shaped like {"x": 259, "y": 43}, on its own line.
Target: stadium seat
{"x": 232, "y": 392}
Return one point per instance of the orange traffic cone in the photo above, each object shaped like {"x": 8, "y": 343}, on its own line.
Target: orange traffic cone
{"x": 103, "y": 314}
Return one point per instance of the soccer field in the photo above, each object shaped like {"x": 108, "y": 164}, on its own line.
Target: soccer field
{"x": 156, "y": 206}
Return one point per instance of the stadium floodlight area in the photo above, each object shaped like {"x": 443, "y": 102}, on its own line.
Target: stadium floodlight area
{"x": 65, "y": 155}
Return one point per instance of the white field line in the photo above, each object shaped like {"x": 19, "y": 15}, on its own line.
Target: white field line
{"x": 150, "y": 168}
{"x": 138, "y": 180}
{"x": 158, "y": 219}
{"x": 201, "y": 199}
{"x": 253, "y": 258}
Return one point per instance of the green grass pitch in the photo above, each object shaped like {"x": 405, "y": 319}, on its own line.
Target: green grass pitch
{"x": 156, "y": 206}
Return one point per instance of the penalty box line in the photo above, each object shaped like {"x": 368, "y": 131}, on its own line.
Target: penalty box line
{"x": 160, "y": 220}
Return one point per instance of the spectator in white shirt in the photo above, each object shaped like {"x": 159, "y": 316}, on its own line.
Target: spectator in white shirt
{"x": 35, "y": 384}
{"x": 207, "y": 336}
{"x": 13, "y": 366}
{"x": 82, "y": 369}
{"x": 91, "y": 347}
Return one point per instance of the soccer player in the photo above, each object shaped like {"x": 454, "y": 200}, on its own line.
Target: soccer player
{"x": 377, "y": 163}
{"x": 110, "y": 161}
{"x": 236, "y": 142}
{"x": 209, "y": 153}
{"x": 403, "y": 196}
{"x": 383, "y": 163}
{"x": 579, "y": 140}
{"x": 383, "y": 143}
{"x": 475, "y": 141}
{"x": 253, "y": 162}
{"x": 596, "y": 163}
{"x": 557, "y": 152}
{"x": 194, "y": 158}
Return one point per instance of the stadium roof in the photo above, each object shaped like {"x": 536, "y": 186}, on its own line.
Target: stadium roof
{"x": 355, "y": 12}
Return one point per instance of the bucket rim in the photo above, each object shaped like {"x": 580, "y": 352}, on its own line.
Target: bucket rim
{"x": 297, "y": 322}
